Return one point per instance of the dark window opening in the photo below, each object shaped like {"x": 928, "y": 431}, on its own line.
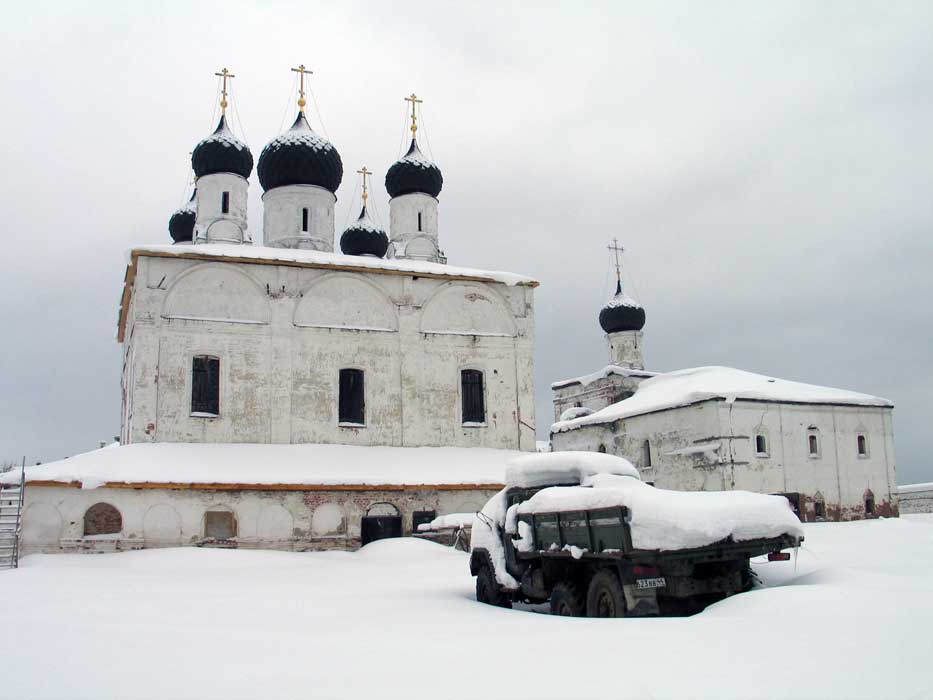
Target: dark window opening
{"x": 102, "y": 519}
{"x": 471, "y": 385}
{"x": 646, "y": 448}
{"x": 219, "y": 525}
{"x": 869, "y": 505}
{"x": 814, "y": 445}
{"x": 205, "y": 385}
{"x": 419, "y": 220}
{"x": 819, "y": 509}
{"x": 422, "y": 517}
{"x": 225, "y": 203}
{"x": 761, "y": 445}
{"x": 602, "y": 448}
{"x": 351, "y": 405}
{"x": 862, "y": 446}
{"x": 304, "y": 219}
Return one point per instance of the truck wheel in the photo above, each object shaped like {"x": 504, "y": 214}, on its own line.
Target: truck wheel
{"x": 487, "y": 589}
{"x": 604, "y": 597}
{"x": 567, "y": 600}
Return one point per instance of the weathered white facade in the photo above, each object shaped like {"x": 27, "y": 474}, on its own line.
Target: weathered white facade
{"x": 283, "y": 330}
{"x": 714, "y": 445}
{"x": 282, "y": 517}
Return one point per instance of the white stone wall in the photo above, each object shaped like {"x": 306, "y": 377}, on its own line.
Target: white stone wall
{"x": 594, "y": 395}
{"x": 282, "y": 334}
{"x": 685, "y": 456}
{"x": 407, "y": 240}
{"x": 211, "y": 224}
{"x": 53, "y": 517}
{"x": 282, "y": 217}
{"x": 626, "y": 349}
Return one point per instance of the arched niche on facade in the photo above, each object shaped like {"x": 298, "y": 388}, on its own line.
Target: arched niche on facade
{"x": 467, "y": 309}
{"x": 102, "y": 519}
{"x": 328, "y": 519}
{"x": 42, "y": 523}
{"x": 275, "y": 523}
{"x": 216, "y": 292}
{"x": 162, "y": 525}
{"x": 340, "y": 300}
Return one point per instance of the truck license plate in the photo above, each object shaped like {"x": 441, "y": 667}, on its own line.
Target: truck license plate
{"x": 650, "y": 582}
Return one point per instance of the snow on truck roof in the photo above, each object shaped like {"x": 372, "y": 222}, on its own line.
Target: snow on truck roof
{"x": 247, "y": 465}
{"x": 688, "y": 386}
{"x": 549, "y": 468}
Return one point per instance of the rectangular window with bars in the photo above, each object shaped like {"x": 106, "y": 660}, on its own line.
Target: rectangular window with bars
{"x": 205, "y": 386}
{"x": 474, "y": 401}
{"x": 350, "y": 403}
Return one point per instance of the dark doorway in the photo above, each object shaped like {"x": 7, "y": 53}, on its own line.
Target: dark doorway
{"x": 380, "y": 527}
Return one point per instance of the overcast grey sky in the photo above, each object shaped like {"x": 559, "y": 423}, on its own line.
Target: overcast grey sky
{"x": 768, "y": 167}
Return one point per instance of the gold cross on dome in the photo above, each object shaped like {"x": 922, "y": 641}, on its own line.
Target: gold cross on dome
{"x": 365, "y": 173}
{"x": 301, "y": 89}
{"x": 616, "y": 248}
{"x": 225, "y": 74}
{"x": 413, "y": 98}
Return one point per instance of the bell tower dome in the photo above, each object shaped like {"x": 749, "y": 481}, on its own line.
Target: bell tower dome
{"x": 622, "y": 318}
{"x": 413, "y": 183}
{"x": 299, "y": 172}
{"x": 222, "y": 165}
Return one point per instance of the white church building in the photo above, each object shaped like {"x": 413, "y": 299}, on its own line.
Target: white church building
{"x": 278, "y": 393}
{"x": 830, "y": 451}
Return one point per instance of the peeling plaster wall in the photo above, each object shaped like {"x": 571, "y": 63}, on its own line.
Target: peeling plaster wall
{"x": 838, "y": 475}
{"x": 291, "y": 520}
{"x": 283, "y": 333}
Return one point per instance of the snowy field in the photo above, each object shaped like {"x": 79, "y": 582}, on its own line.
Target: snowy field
{"x": 851, "y": 618}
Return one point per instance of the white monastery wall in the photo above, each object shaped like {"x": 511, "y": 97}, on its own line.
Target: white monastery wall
{"x": 915, "y": 498}
{"x": 53, "y": 516}
{"x": 594, "y": 395}
{"x": 711, "y": 446}
{"x": 282, "y": 334}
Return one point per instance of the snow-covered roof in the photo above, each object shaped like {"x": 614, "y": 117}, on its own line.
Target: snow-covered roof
{"x": 181, "y": 465}
{"x": 314, "y": 258}
{"x": 688, "y": 386}
{"x": 606, "y": 371}
{"x": 549, "y": 468}
{"x": 915, "y": 488}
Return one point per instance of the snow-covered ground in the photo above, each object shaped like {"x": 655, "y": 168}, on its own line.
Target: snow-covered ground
{"x": 850, "y": 618}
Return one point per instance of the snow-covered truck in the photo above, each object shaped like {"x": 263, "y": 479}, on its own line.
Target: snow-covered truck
{"x": 581, "y": 530}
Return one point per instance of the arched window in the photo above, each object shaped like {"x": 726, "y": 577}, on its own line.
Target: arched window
{"x": 761, "y": 445}
{"x": 646, "y": 454}
{"x": 419, "y": 221}
{"x": 304, "y": 219}
{"x": 225, "y": 203}
{"x": 602, "y": 448}
{"x": 205, "y": 386}
{"x": 861, "y": 442}
{"x": 102, "y": 519}
{"x": 819, "y": 506}
{"x": 351, "y": 409}
{"x": 869, "y": 502}
{"x": 813, "y": 441}
{"x": 473, "y": 400}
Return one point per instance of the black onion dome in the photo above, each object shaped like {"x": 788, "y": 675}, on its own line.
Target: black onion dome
{"x": 300, "y": 157}
{"x": 181, "y": 225}
{"x": 414, "y": 173}
{"x": 222, "y": 152}
{"x": 622, "y": 313}
{"x": 364, "y": 238}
